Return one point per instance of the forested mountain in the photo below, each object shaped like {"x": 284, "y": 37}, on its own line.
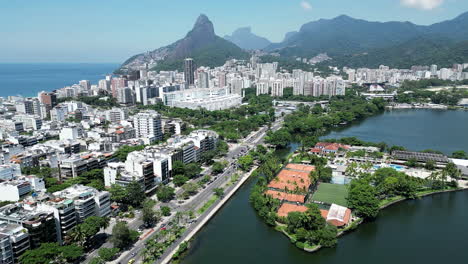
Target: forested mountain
{"x": 419, "y": 51}
{"x": 201, "y": 44}
{"x": 344, "y": 35}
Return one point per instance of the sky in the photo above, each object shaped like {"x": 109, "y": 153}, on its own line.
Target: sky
{"x": 113, "y": 30}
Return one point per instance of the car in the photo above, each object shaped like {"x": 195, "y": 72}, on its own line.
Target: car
{"x": 162, "y": 228}
{"x": 131, "y": 261}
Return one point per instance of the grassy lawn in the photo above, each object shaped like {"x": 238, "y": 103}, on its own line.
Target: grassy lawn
{"x": 208, "y": 204}
{"x": 331, "y": 193}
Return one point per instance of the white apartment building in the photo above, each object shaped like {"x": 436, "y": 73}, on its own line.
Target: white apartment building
{"x": 148, "y": 125}
{"x": 115, "y": 115}
{"x": 14, "y": 190}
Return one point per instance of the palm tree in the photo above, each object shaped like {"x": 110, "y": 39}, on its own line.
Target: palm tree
{"x": 77, "y": 236}
{"x": 105, "y": 223}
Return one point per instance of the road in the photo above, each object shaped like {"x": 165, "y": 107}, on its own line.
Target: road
{"x": 254, "y": 139}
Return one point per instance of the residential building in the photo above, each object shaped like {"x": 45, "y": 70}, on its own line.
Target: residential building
{"x": 148, "y": 124}
{"x": 18, "y": 242}
{"x": 189, "y": 72}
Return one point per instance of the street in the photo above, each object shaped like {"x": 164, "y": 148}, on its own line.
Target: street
{"x": 251, "y": 141}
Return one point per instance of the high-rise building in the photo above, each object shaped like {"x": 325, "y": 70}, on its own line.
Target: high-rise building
{"x": 148, "y": 124}
{"x": 85, "y": 84}
{"x": 277, "y": 88}
{"x": 104, "y": 85}
{"x": 125, "y": 96}
{"x": 222, "y": 79}
{"x": 115, "y": 115}
{"x": 49, "y": 99}
{"x": 117, "y": 83}
{"x": 262, "y": 88}
{"x": 189, "y": 71}
{"x": 433, "y": 69}
{"x": 203, "y": 80}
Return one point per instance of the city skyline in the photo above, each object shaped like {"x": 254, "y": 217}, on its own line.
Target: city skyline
{"x": 52, "y": 31}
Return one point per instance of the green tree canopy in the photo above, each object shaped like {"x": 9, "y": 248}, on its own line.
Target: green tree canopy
{"x": 52, "y": 253}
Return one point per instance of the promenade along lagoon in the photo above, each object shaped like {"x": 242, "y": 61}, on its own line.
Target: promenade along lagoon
{"x": 429, "y": 230}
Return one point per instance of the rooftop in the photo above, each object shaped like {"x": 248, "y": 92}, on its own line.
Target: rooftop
{"x": 286, "y": 196}
{"x": 287, "y": 208}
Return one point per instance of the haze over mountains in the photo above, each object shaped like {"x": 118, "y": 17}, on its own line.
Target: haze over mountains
{"x": 244, "y": 38}
{"x": 349, "y": 41}
{"x": 344, "y": 35}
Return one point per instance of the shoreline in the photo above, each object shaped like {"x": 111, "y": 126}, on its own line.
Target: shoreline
{"x": 355, "y": 224}
{"x": 211, "y": 214}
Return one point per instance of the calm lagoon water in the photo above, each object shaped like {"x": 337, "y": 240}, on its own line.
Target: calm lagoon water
{"x": 430, "y": 231}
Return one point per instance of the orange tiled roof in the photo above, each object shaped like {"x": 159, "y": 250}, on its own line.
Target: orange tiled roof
{"x": 286, "y": 208}
{"x": 324, "y": 213}
{"x": 286, "y": 196}
{"x": 300, "y": 167}
{"x": 291, "y": 180}
{"x": 328, "y": 146}
{"x": 336, "y": 222}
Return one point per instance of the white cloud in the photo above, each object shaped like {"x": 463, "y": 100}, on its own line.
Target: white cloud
{"x": 422, "y": 4}
{"x": 306, "y": 5}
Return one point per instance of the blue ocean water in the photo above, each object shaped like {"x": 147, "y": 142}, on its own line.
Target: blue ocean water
{"x": 29, "y": 79}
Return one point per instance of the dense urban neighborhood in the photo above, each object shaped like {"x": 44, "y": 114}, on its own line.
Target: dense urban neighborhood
{"x": 130, "y": 168}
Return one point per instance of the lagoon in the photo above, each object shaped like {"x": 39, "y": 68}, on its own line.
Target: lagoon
{"x": 430, "y": 230}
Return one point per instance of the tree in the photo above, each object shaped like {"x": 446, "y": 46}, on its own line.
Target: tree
{"x": 190, "y": 188}
{"x": 362, "y": 198}
{"x": 192, "y": 170}
{"x": 280, "y": 138}
{"x": 326, "y": 236}
{"x": 178, "y": 168}
{"x": 413, "y": 163}
{"x": 452, "y": 170}
{"x": 84, "y": 232}
{"x": 122, "y": 153}
{"x": 135, "y": 194}
{"x": 218, "y": 192}
{"x": 122, "y": 236}
{"x": 217, "y": 168}
{"x": 52, "y": 253}
{"x": 118, "y": 193}
{"x": 459, "y": 155}
{"x": 166, "y": 211}
{"x": 325, "y": 174}
{"x": 148, "y": 214}
{"x": 97, "y": 260}
{"x": 179, "y": 180}
{"x": 108, "y": 254}
{"x": 430, "y": 165}
{"x": 76, "y": 236}
{"x": 165, "y": 193}
{"x": 245, "y": 162}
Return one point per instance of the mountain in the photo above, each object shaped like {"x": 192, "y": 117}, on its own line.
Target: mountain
{"x": 244, "y": 38}
{"x": 346, "y": 35}
{"x": 201, "y": 44}
{"x": 418, "y": 51}
{"x": 288, "y": 35}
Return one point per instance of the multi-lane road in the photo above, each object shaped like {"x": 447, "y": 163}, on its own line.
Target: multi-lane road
{"x": 254, "y": 139}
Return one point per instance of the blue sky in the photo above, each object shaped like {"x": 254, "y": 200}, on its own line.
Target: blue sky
{"x": 113, "y": 30}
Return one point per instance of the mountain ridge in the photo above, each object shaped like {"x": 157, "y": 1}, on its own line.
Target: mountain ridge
{"x": 196, "y": 44}
{"x": 246, "y": 39}
{"x": 346, "y": 35}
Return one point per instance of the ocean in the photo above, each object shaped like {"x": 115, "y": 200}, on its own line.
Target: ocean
{"x": 29, "y": 79}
